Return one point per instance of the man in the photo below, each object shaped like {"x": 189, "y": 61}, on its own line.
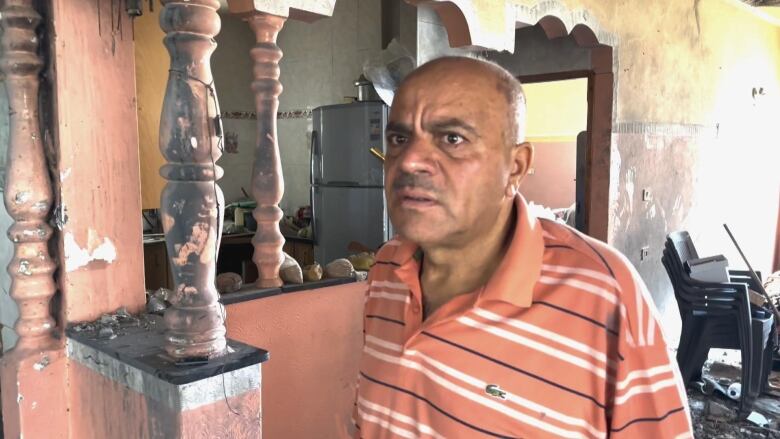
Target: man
{"x": 483, "y": 321}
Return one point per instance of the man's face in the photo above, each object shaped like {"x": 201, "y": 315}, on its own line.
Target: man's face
{"x": 449, "y": 156}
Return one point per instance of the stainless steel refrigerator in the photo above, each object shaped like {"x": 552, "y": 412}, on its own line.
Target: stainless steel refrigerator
{"x": 347, "y": 179}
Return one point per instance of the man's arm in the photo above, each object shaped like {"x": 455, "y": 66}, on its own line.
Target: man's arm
{"x": 647, "y": 396}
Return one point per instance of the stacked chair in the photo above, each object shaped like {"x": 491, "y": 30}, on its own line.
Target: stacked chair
{"x": 719, "y": 315}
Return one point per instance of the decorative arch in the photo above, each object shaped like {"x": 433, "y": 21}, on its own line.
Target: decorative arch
{"x": 492, "y": 26}
{"x": 469, "y": 26}
{"x": 559, "y": 21}
{"x": 553, "y": 27}
{"x": 584, "y": 36}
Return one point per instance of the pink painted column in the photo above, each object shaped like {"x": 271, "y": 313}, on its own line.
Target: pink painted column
{"x": 33, "y": 372}
{"x": 267, "y": 178}
{"x": 192, "y": 204}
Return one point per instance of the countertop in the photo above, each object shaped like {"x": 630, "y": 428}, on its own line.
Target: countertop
{"x": 250, "y": 292}
{"x": 232, "y": 238}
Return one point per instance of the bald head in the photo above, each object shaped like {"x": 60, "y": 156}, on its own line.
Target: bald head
{"x": 455, "y": 152}
{"x": 470, "y": 70}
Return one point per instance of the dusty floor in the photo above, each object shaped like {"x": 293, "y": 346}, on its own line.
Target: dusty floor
{"x": 715, "y": 416}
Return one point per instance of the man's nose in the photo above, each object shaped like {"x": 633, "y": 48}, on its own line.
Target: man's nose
{"x": 418, "y": 156}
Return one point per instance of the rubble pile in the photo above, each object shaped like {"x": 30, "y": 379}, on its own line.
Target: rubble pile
{"x": 715, "y": 413}
{"x": 109, "y": 326}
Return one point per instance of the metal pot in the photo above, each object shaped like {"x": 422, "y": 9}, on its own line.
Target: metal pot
{"x": 366, "y": 90}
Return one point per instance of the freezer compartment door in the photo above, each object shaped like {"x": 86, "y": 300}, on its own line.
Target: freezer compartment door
{"x": 345, "y": 214}
{"x": 342, "y": 138}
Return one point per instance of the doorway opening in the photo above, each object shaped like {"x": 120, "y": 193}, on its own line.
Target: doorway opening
{"x": 546, "y": 52}
{"x": 557, "y": 113}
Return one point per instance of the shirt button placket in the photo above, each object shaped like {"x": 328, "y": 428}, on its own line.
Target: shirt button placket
{"x": 414, "y": 321}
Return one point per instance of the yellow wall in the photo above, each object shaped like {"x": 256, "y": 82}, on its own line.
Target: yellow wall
{"x": 151, "y": 64}
{"x": 557, "y": 111}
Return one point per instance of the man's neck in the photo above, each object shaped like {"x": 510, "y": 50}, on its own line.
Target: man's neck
{"x": 450, "y": 271}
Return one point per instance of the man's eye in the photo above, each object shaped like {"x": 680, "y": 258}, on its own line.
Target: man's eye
{"x": 453, "y": 139}
{"x": 397, "y": 139}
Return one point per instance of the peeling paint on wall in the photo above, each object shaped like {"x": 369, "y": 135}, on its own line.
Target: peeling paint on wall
{"x": 614, "y": 190}
{"x": 95, "y": 250}
{"x": 65, "y": 174}
{"x": 629, "y": 185}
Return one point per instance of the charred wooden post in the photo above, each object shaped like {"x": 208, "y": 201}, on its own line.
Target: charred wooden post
{"x": 267, "y": 178}
{"x": 28, "y": 192}
{"x": 192, "y": 204}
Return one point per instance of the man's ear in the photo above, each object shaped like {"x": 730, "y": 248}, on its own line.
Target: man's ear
{"x": 521, "y": 160}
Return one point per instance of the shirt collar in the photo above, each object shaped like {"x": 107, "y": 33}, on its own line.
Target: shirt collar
{"x": 514, "y": 279}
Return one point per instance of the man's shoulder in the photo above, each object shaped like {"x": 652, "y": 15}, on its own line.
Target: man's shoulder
{"x": 387, "y": 259}
{"x": 389, "y": 250}
{"x": 629, "y": 293}
{"x": 582, "y": 251}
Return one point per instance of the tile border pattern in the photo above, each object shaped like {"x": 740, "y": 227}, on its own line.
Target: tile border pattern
{"x": 252, "y": 115}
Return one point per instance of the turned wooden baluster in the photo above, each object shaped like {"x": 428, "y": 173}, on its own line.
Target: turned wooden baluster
{"x": 192, "y": 204}
{"x": 267, "y": 179}
{"x": 28, "y": 193}
{"x": 266, "y": 19}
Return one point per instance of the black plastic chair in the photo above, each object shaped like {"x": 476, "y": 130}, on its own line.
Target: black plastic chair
{"x": 718, "y": 315}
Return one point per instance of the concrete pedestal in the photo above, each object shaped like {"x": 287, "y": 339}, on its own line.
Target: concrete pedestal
{"x": 124, "y": 385}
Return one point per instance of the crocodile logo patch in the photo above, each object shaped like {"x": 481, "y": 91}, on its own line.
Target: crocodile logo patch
{"x": 495, "y": 391}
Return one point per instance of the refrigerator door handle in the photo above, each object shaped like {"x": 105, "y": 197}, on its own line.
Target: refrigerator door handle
{"x": 314, "y": 234}
{"x": 313, "y": 155}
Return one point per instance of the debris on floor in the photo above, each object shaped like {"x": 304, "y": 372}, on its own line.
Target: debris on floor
{"x": 109, "y": 326}
{"x": 715, "y": 403}
{"x": 158, "y": 301}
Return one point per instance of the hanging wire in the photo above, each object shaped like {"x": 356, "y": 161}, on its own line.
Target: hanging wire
{"x": 224, "y": 392}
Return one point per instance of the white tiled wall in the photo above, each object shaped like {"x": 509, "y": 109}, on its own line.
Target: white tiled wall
{"x": 232, "y": 70}
{"x": 321, "y": 61}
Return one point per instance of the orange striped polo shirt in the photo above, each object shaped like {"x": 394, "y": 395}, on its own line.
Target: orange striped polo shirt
{"x": 562, "y": 341}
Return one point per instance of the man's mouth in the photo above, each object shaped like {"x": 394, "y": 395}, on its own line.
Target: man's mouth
{"x": 415, "y": 199}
